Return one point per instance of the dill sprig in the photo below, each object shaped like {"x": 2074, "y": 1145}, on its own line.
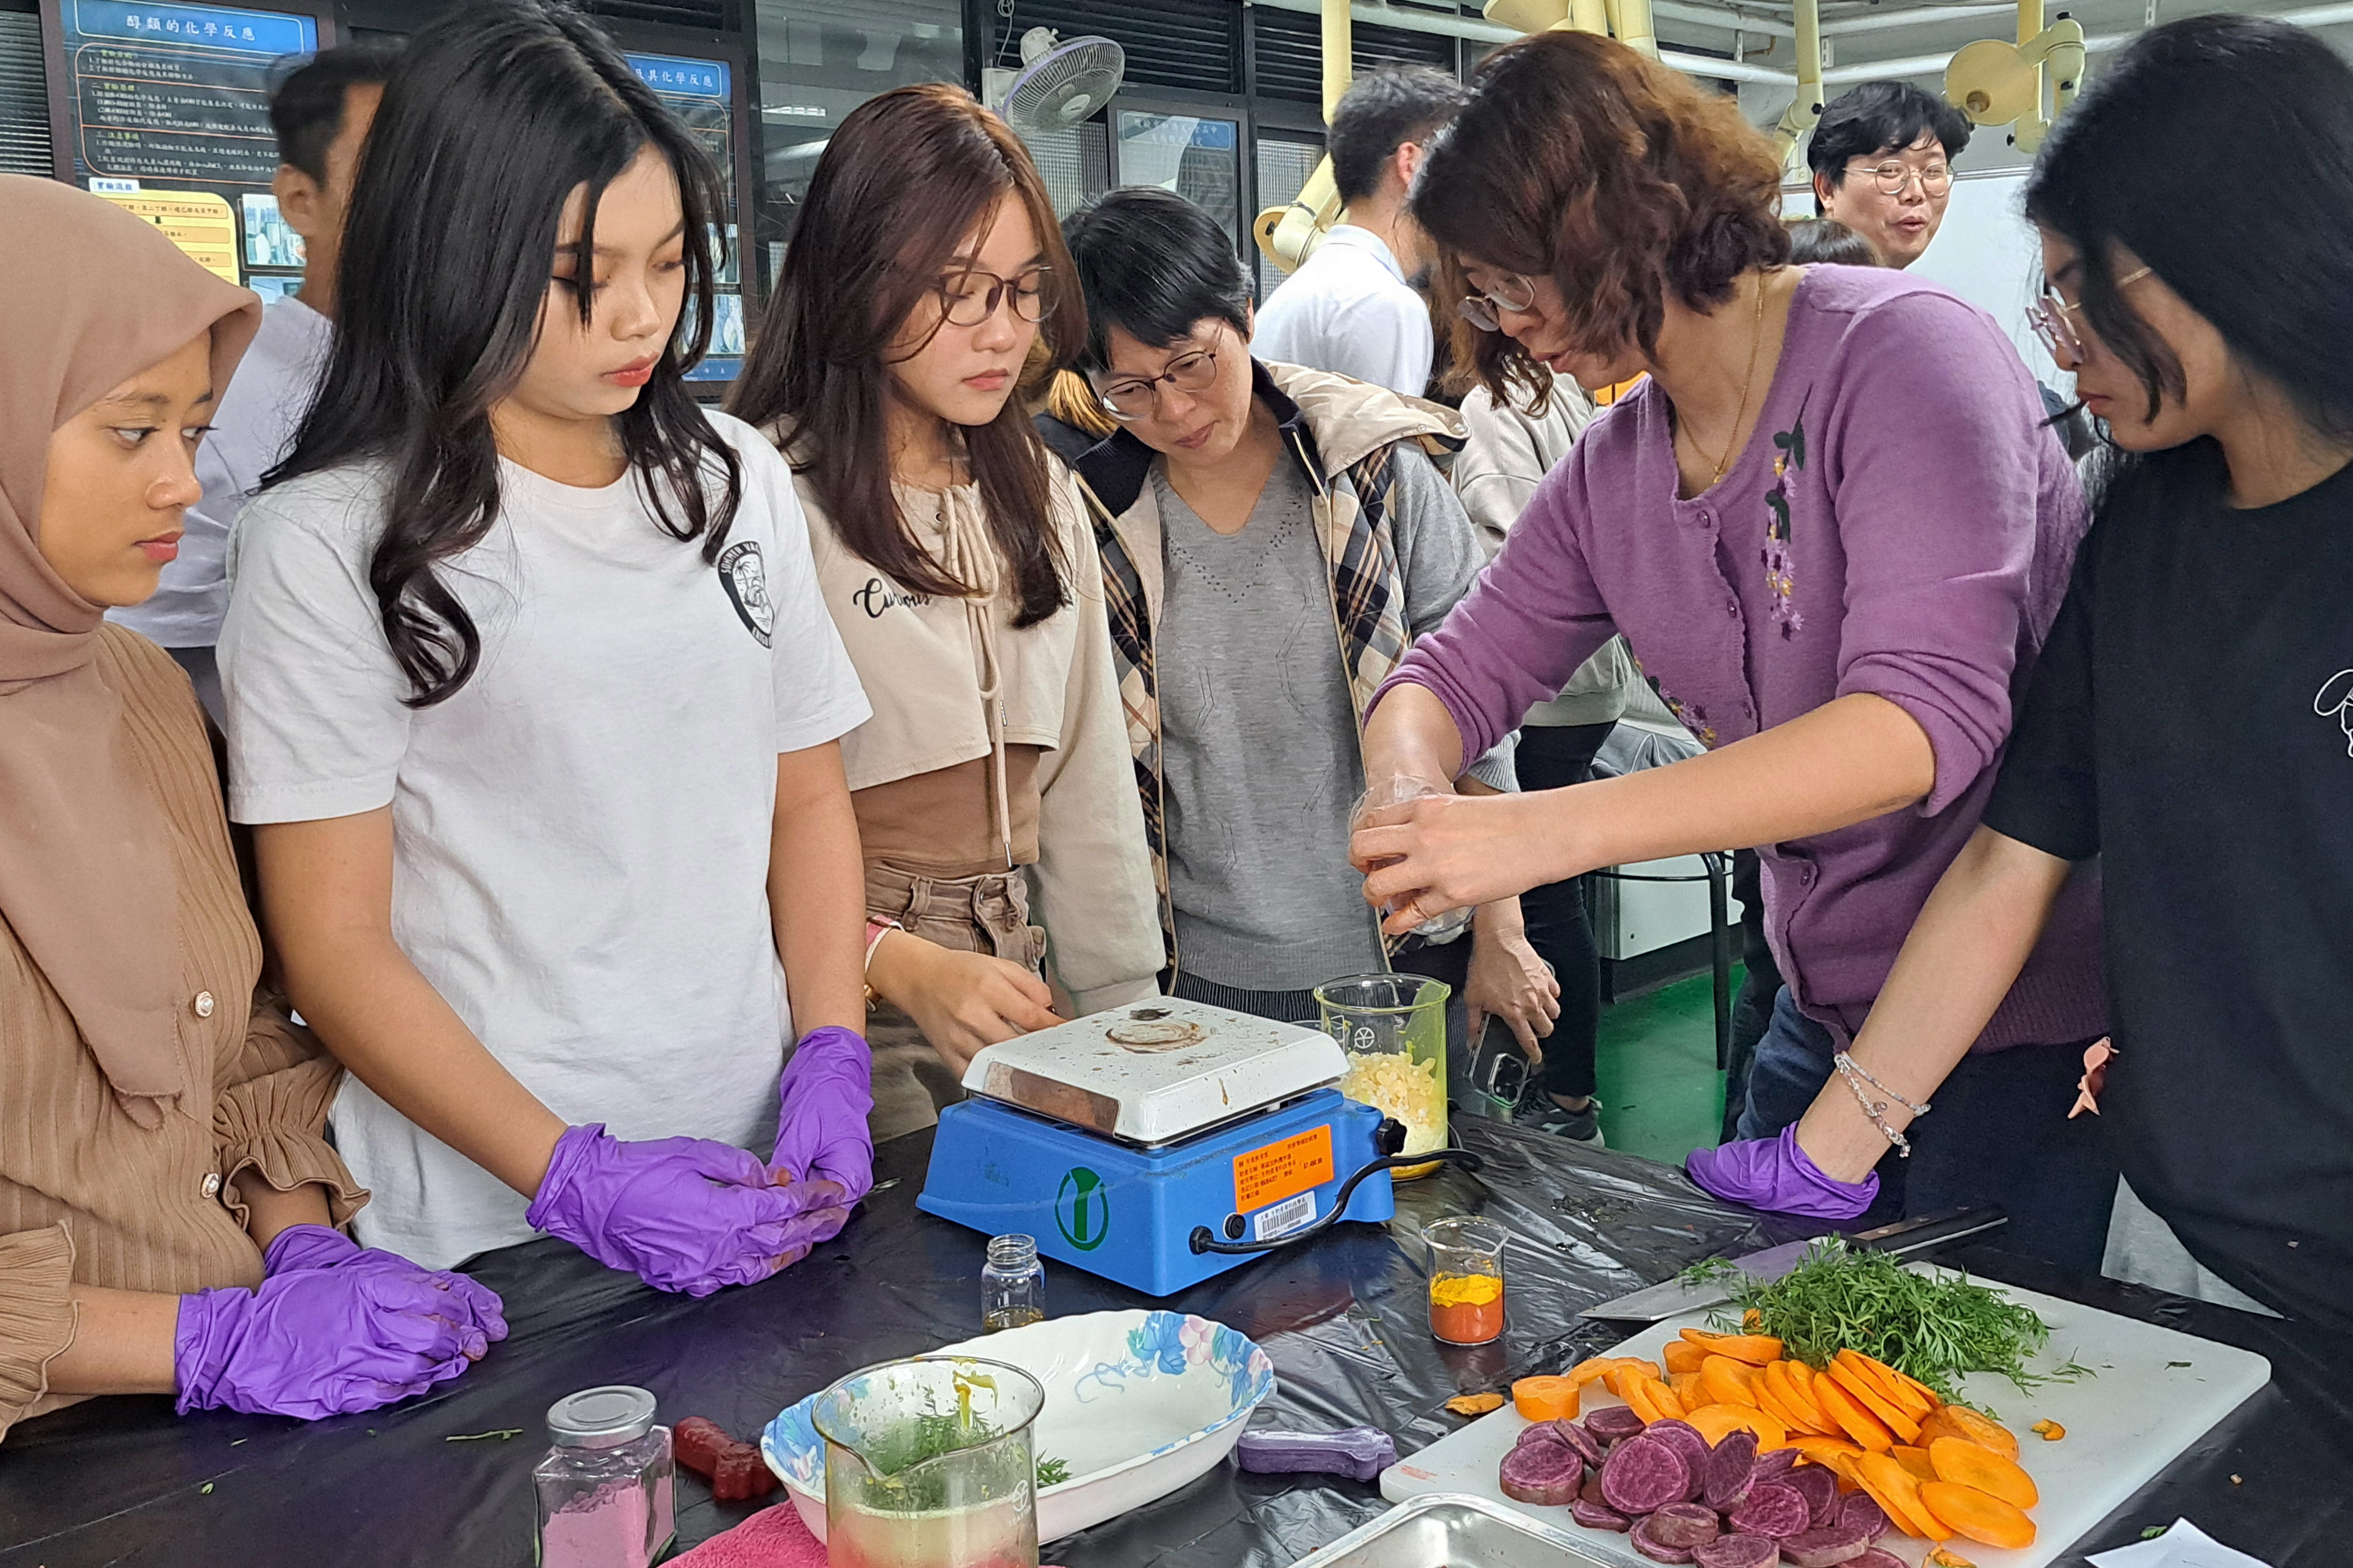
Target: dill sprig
{"x": 1930, "y": 1327}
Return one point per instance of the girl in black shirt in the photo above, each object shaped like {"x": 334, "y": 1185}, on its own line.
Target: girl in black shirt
{"x": 2190, "y": 724}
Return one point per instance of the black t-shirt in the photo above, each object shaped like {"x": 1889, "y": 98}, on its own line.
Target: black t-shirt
{"x": 2190, "y": 722}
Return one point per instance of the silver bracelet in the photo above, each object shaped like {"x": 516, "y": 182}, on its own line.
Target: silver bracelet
{"x": 1856, "y": 1076}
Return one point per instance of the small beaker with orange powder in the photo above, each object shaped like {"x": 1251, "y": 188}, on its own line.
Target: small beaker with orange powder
{"x": 1466, "y": 1279}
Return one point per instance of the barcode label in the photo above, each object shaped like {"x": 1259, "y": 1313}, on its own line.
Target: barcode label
{"x": 1283, "y": 1217}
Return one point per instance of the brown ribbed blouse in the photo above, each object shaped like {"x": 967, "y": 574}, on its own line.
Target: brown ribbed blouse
{"x": 88, "y": 1195}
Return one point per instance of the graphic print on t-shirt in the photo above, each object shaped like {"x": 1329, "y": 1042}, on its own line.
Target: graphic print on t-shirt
{"x": 745, "y": 577}
{"x": 2335, "y": 700}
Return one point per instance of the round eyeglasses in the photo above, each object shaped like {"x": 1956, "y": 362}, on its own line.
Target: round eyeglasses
{"x": 971, "y": 297}
{"x": 1134, "y": 396}
{"x": 1512, "y": 292}
{"x": 2053, "y": 318}
{"x": 1892, "y": 175}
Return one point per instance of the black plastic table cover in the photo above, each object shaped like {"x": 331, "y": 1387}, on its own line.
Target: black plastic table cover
{"x": 121, "y": 1482}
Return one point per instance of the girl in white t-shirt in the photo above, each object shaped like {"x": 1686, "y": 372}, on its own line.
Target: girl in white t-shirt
{"x": 536, "y": 711}
{"x": 953, "y": 553}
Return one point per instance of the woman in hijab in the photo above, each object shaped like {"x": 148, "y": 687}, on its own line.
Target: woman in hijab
{"x": 166, "y": 1199}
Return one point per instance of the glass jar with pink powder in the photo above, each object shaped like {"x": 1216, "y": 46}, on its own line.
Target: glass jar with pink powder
{"x": 606, "y": 1488}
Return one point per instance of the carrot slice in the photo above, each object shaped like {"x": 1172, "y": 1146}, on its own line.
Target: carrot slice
{"x": 1934, "y": 1400}
{"x": 1915, "y": 1460}
{"x": 1894, "y": 1489}
{"x": 1964, "y": 1511}
{"x": 1714, "y": 1421}
{"x": 1800, "y": 1403}
{"x": 1727, "y": 1382}
{"x": 1682, "y": 1355}
{"x": 1590, "y": 1369}
{"x": 1889, "y": 1383}
{"x": 1857, "y": 1422}
{"x": 1960, "y": 1421}
{"x": 1824, "y": 1451}
{"x": 1866, "y": 1393}
{"x": 1770, "y": 1402}
{"x": 1636, "y": 1394}
{"x": 1546, "y": 1398}
{"x": 1966, "y": 1464}
{"x": 1754, "y": 1349}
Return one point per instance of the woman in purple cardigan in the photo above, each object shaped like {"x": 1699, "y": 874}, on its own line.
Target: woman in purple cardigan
{"x": 1834, "y": 530}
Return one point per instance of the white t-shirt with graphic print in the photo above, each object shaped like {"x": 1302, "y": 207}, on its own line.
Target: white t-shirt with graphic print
{"x": 581, "y": 833}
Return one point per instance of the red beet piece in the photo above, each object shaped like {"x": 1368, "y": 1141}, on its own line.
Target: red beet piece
{"x": 1612, "y": 1422}
{"x": 1647, "y": 1543}
{"x": 1576, "y": 1438}
{"x": 742, "y": 1474}
{"x": 1819, "y": 1486}
{"x": 1725, "y": 1478}
{"x": 1599, "y": 1516}
{"x": 1543, "y": 1472}
{"x": 1684, "y": 1524}
{"x": 1643, "y": 1475}
{"x": 1824, "y": 1547}
{"x": 1774, "y": 1508}
{"x": 1875, "y": 1558}
{"x": 1858, "y": 1511}
{"x": 1739, "y": 1551}
{"x": 697, "y": 1443}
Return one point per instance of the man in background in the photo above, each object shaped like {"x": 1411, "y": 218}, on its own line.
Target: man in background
{"x": 1352, "y": 307}
{"x": 321, "y": 113}
{"x": 1882, "y": 158}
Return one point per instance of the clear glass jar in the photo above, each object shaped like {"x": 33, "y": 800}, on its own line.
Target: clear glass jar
{"x": 1012, "y": 1284}
{"x": 605, "y": 1488}
{"x": 1391, "y": 1030}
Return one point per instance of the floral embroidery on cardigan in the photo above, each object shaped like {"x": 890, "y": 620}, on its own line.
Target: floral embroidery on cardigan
{"x": 1780, "y": 570}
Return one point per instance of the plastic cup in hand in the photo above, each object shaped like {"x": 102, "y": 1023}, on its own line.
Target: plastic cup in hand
{"x": 1399, "y": 790}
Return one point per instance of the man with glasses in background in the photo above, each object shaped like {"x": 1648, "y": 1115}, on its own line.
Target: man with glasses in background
{"x": 1882, "y": 158}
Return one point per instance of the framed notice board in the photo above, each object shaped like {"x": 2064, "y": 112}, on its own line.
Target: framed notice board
{"x": 166, "y": 110}
{"x": 706, "y": 91}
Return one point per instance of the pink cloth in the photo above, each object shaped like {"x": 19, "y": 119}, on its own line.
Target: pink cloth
{"x": 772, "y": 1538}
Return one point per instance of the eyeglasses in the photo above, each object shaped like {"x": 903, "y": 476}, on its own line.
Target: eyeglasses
{"x": 971, "y": 297}
{"x": 1512, "y": 292}
{"x": 1135, "y": 396}
{"x": 2053, "y": 318}
{"x": 1892, "y": 176}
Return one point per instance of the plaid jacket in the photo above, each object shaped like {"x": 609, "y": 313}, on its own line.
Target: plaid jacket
{"x": 1340, "y": 431}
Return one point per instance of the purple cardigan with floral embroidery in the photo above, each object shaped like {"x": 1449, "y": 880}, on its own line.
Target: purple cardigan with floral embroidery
{"x": 1901, "y": 524}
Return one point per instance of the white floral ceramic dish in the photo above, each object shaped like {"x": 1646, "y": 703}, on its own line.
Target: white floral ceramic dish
{"x": 1137, "y": 1404}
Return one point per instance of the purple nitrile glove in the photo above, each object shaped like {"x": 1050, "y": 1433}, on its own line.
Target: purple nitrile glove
{"x": 825, "y": 1094}
{"x": 317, "y": 1341}
{"x": 301, "y": 1246}
{"x": 1774, "y": 1174}
{"x": 682, "y": 1214}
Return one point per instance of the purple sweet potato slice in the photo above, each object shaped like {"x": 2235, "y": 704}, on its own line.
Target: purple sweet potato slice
{"x": 1824, "y": 1547}
{"x": 1685, "y": 1524}
{"x": 1599, "y": 1516}
{"x": 1612, "y": 1422}
{"x": 1642, "y": 1475}
{"x": 1647, "y": 1543}
{"x": 1576, "y": 1438}
{"x": 1592, "y": 1490}
{"x": 1774, "y": 1508}
{"x": 1857, "y": 1511}
{"x": 1687, "y": 1440}
{"x": 1544, "y": 1473}
{"x": 1730, "y": 1470}
{"x": 1876, "y": 1558}
{"x": 1772, "y": 1466}
{"x": 1819, "y": 1486}
{"x": 1739, "y": 1551}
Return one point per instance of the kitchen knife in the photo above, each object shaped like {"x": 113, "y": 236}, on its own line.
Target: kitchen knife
{"x": 1905, "y": 1239}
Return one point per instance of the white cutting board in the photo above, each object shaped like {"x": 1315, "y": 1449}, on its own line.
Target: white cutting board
{"x": 2123, "y": 1427}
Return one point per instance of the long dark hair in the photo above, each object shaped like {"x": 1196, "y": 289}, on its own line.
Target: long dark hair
{"x": 901, "y": 182}
{"x": 2248, "y": 124}
{"x": 491, "y": 120}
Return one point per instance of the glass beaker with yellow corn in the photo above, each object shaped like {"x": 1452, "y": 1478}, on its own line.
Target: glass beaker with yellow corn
{"x": 1392, "y": 1030}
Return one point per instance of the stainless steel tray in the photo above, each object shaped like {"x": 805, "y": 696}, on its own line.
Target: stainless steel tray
{"x": 1453, "y": 1529}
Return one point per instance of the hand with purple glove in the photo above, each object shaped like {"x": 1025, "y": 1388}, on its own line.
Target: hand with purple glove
{"x": 314, "y": 1343}
{"x": 317, "y": 1246}
{"x": 1774, "y": 1174}
{"x": 682, "y": 1214}
{"x": 825, "y": 1094}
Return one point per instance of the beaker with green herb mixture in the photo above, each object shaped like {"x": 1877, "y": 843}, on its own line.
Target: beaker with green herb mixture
{"x": 928, "y": 1461}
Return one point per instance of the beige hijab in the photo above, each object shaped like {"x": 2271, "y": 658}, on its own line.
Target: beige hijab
{"x": 84, "y": 870}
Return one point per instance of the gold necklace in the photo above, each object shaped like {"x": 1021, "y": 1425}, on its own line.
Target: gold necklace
{"x": 1756, "y": 342}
